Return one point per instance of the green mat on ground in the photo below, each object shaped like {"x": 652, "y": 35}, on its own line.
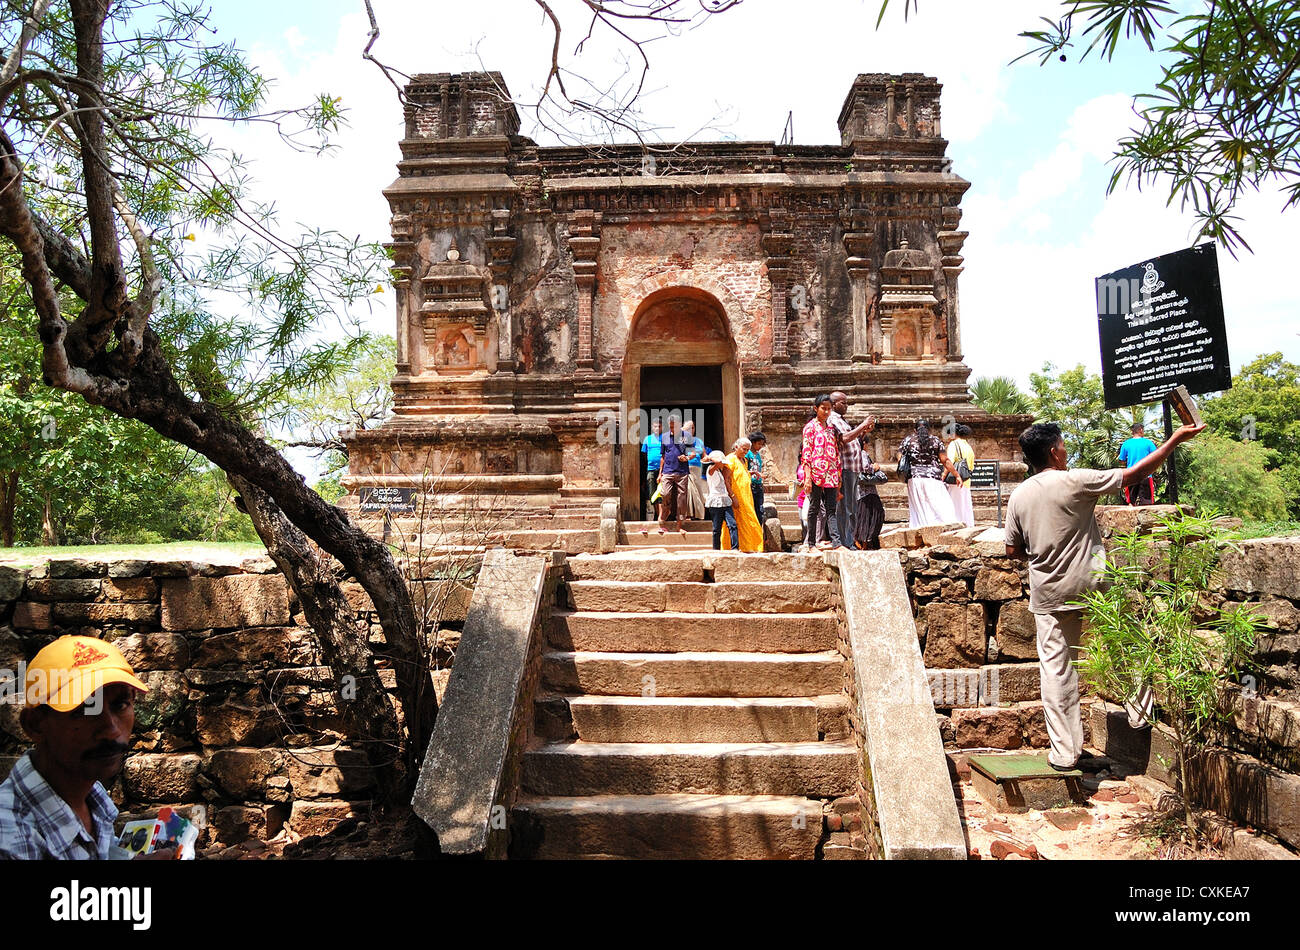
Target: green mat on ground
{"x": 1003, "y": 768}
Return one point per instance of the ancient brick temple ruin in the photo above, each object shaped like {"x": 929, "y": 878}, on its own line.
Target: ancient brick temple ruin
{"x": 543, "y": 291}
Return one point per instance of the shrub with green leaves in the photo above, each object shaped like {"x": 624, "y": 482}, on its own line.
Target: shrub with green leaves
{"x": 1149, "y": 627}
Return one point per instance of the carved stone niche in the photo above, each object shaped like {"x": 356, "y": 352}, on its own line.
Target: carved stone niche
{"x": 455, "y": 316}
{"x": 908, "y": 305}
{"x": 457, "y": 349}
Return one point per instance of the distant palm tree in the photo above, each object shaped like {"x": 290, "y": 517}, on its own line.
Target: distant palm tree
{"x": 1000, "y": 396}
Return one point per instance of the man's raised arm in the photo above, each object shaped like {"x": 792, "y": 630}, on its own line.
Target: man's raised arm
{"x": 1135, "y": 473}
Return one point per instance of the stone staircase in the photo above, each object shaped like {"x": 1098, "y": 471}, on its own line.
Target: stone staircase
{"x": 690, "y": 706}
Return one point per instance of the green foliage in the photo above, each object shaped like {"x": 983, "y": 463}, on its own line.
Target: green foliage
{"x": 1230, "y": 476}
{"x": 105, "y": 478}
{"x": 1263, "y": 406}
{"x": 1147, "y": 630}
{"x": 358, "y": 396}
{"x": 248, "y": 317}
{"x": 1265, "y": 529}
{"x": 1074, "y": 400}
{"x": 1224, "y": 117}
{"x": 1000, "y": 395}
{"x": 330, "y": 488}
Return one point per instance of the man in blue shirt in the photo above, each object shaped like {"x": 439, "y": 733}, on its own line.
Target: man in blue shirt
{"x": 674, "y": 476}
{"x": 651, "y": 448}
{"x": 1134, "y": 450}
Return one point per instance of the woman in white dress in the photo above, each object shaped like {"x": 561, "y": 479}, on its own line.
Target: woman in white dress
{"x": 959, "y": 450}
{"x": 928, "y": 501}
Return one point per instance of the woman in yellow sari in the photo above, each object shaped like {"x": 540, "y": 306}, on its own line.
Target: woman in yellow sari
{"x": 742, "y": 500}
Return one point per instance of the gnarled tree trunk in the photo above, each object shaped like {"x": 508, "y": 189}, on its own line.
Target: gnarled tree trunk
{"x": 370, "y": 719}
{"x": 49, "y": 531}
{"x": 111, "y": 356}
{"x": 8, "y": 506}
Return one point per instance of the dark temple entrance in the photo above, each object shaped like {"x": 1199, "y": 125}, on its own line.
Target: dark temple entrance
{"x": 692, "y": 393}
{"x": 679, "y": 348}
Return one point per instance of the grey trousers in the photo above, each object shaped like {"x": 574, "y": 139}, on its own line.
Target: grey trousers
{"x": 844, "y": 513}
{"x": 1058, "y": 641}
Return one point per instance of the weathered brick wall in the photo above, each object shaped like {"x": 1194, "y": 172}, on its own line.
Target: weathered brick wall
{"x": 726, "y": 258}
{"x": 979, "y": 644}
{"x": 242, "y": 716}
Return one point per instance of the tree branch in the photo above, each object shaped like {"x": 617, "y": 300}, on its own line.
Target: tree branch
{"x": 108, "y": 287}
{"x": 31, "y": 24}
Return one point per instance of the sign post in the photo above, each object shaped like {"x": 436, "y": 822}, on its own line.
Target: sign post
{"x": 386, "y": 501}
{"x": 988, "y": 474}
{"x": 1161, "y": 325}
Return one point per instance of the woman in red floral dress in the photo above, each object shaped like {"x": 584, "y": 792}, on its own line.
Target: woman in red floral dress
{"x": 821, "y": 455}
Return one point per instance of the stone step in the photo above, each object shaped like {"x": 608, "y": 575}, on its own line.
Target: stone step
{"x": 688, "y": 597}
{"x": 693, "y": 674}
{"x": 627, "y": 632}
{"x": 671, "y": 548}
{"x": 987, "y": 514}
{"x": 690, "y": 718}
{"x": 660, "y": 566}
{"x": 678, "y": 827}
{"x": 542, "y": 522}
{"x": 569, "y": 541}
{"x": 678, "y": 539}
{"x": 823, "y": 769}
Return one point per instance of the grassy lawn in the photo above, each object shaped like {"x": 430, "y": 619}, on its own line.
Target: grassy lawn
{"x": 1266, "y": 529}
{"x": 176, "y": 550}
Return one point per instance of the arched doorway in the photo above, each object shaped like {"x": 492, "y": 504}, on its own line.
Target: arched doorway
{"x": 679, "y": 353}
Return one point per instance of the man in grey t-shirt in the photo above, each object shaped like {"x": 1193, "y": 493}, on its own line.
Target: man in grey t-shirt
{"x": 1050, "y": 523}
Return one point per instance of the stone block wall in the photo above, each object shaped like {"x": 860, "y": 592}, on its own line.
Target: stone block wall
{"x": 980, "y": 650}
{"x": 242, "y": 716}
{"x": 979, "y": 644}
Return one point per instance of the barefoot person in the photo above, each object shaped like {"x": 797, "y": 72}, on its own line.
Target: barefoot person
{"x": 928, "y": 501}
{"x": 821, "y": 459}
{"x": 694, "y": 484}
{"x": 1050, "y": 523}
{"x": 742, "y": 499}
{"x": 674, "y": 476}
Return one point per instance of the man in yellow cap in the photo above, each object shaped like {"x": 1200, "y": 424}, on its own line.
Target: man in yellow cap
{"x": 80, "y": 709}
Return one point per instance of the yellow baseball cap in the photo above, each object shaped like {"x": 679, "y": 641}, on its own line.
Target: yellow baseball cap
{"x": 69, "y": 671}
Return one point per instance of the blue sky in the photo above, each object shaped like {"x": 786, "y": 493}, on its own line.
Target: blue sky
{"x": 1034, "y": 141}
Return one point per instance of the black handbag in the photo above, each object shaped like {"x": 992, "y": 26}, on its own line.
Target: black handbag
{"x": 904, "y": 467}
{"x": 963, "y": 473}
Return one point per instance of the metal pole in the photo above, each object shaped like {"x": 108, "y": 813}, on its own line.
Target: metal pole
{"x": 1171, "y": 473}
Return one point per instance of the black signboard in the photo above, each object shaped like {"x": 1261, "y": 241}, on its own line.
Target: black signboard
{"x": 1161, "y": 325}
{"x": 987, "y": 474}
{"x": 392, "y": 500}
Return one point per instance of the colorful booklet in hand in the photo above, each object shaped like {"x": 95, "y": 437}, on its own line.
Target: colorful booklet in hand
{"x": 169, "y": 829}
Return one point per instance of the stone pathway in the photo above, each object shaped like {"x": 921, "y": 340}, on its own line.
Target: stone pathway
{"x": 1115, "y": 823}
